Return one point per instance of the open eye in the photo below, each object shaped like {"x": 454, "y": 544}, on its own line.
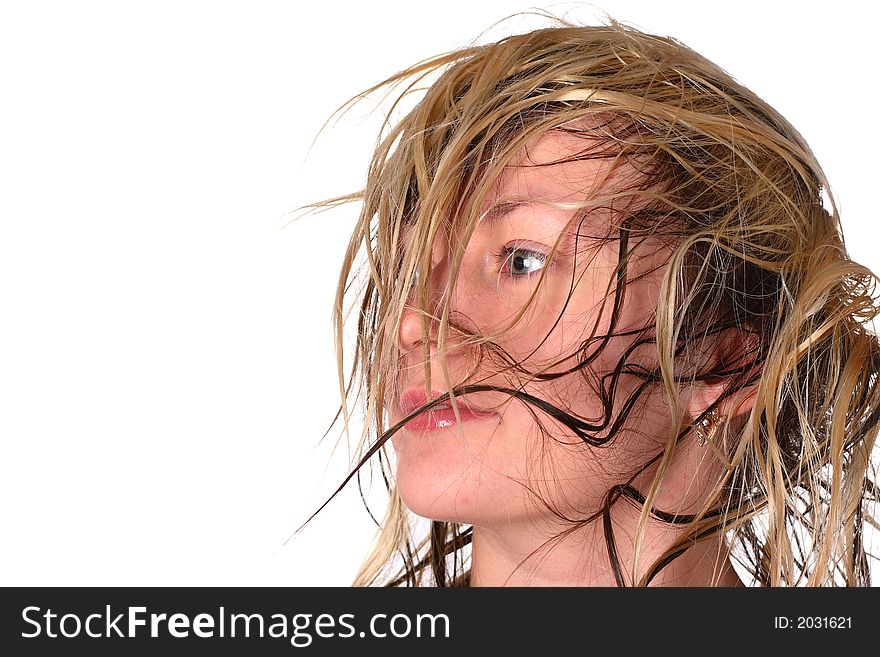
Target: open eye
{"x": 520, "y": 262}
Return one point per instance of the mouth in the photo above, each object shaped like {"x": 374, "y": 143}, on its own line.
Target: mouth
{"x": 440, "y": 416}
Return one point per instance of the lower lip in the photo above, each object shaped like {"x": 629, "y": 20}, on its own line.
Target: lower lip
{"x": 443, "y": 418}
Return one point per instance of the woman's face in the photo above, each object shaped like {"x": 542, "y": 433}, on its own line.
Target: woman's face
{"x": 483, "y": 473}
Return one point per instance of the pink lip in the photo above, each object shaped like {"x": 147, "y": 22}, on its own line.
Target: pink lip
{"x": 440, "y": 416}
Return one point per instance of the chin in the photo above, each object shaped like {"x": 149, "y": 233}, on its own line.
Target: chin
{"x": 470, "y": 477}
{"x": 457, "y": 492}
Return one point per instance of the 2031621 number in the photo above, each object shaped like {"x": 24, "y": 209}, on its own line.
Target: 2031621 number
{"x": 813, "y": 622}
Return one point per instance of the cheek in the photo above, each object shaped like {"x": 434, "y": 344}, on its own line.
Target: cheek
{"x": 494, "y": 471}
{"x": 500, "y": 474}
{"x": 552, "y": 319}
{"x": 509, "y": 475}
{"x": 553, "y": 327}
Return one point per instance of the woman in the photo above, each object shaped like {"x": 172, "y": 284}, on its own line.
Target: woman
{"x": 608, "y": 331}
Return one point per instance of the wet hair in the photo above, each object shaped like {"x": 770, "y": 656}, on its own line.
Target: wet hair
{"x": 756, "y": 251}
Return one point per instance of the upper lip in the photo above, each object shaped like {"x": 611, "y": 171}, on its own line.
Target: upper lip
{"x": 414, "y": 398}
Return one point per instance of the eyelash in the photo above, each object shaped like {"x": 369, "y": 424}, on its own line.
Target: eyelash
{"x": 503, "y": 255}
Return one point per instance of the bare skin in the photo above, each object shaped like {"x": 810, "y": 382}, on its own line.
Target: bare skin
{"x": 483, "y": 471}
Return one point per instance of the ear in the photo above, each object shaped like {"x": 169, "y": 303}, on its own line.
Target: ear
{"x": 733, "y": 348}
{"x": 705, "y": 395}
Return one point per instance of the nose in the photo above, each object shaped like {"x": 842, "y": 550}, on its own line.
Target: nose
{"x": 410, "y": 332}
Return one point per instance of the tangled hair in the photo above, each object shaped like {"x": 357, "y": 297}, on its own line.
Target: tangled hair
{"x": 735, "y": 192}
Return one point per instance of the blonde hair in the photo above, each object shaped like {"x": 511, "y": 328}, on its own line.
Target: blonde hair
{"x": 739, "y": 195}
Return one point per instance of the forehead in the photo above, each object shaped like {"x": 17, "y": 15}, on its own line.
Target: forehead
{"x": 557, "y": 166}
{"x": 563, "y": 166}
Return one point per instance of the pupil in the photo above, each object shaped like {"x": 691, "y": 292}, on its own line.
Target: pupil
{"x": 520, "y": 263}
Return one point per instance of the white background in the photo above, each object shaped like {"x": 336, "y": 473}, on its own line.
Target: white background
{"x": 166, "y": 366}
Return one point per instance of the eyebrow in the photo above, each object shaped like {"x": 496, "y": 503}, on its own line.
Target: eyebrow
{"x": 503, "y": 209}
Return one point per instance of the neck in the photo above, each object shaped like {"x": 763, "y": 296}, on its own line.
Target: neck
{"x": 512, "y": 555}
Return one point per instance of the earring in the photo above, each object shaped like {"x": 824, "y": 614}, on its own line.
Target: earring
{"x": 708, "y": 426}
